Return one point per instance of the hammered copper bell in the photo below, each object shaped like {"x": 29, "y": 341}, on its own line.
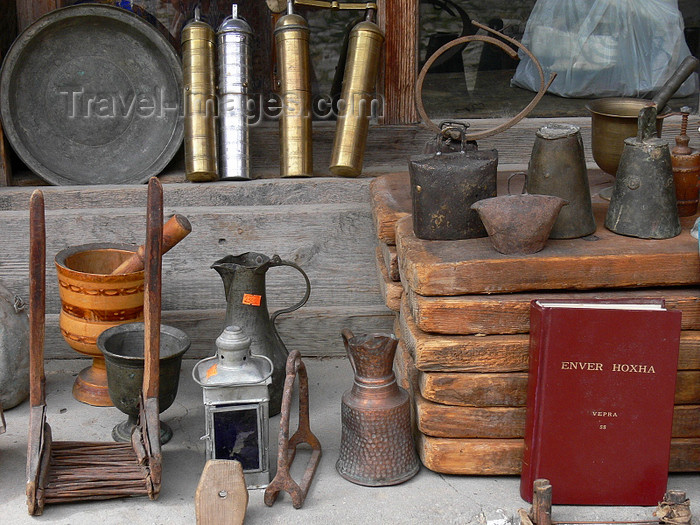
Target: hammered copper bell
{"x": 376, "y": 446}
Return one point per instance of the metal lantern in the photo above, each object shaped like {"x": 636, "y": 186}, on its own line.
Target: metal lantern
{"x": 234, "y": 51}
{"x": 236, "y": 402}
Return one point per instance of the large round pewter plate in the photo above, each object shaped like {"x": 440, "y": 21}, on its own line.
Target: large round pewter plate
{"x": 92, "y": 94}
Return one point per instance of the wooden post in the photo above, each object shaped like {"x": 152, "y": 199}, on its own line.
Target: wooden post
{"x": 399, "y": 20}
{"x": 29, "y": 10}
{"x": 542, "y": 502}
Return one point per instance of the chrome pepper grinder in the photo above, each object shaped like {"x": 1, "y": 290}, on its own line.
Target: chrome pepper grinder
{"x": 234, "y": 64}
{"x": 236, "y": 403}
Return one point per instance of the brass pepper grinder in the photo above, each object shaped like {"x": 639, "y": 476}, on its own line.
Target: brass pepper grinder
{"x": 198, "y": 45}
{"x": 293, "y": 69}
{"x": 355, "y": 105}
{"x": 685, "y": 162}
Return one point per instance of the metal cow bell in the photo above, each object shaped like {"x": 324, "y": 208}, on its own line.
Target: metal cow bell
{"x": 445, "y": 183}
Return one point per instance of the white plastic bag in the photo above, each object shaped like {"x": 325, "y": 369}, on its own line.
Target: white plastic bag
{"x": 601, "y": 48}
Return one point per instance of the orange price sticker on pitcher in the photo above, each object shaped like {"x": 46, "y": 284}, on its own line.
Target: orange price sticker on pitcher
{"x": 212, "y": 371}
{"x": 252, "y": 300}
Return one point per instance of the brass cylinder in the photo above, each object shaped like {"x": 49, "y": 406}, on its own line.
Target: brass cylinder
{"x": 293, "y": 67}
{"x": 355, "y": 105}
{"x": 198, "y": 44}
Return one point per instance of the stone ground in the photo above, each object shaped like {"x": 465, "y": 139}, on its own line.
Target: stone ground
{"x": 428, "y": 498}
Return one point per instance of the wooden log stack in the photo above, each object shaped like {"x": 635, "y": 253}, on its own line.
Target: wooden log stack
{"x": 463, "y": 325}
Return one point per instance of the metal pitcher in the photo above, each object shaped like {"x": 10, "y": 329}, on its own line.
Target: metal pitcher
{"x": 558, "y": 167}
{"x": 376, "y": 446}
{"x": 246, "y": 307}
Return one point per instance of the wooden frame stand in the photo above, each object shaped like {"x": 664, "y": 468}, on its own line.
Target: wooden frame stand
{"x": 66, "y": 471}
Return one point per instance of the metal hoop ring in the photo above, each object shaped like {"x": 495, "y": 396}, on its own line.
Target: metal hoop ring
{"x": 511, "y": 52}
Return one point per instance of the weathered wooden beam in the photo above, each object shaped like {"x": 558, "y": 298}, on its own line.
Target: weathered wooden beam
{"x": 400, "y": 22}
{"x": 29, "y": 10}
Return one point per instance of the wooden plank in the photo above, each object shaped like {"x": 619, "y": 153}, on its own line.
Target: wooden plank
{"x": 391, "y": 261}
{"x": 390, "y": 194}
{"x": 439, "y": 420}
{"x": 604, "y": 260}
{"x": 466, "y": 353}
{"x": 400, "y": 21}
{"x": 204, "y": 326}
{"x": 265, "y": 192}
{"x": 29, "y": 10}
{"x": 471, "y": 457}
{"x": 501, "y": 457}
{"x": 510, "y": 313}
{"x": 510, "y": 389}
{"x": 496, "y": 353}
{"x": 390, "y": 290}
{"x": 313, "y": 236}
{"x": 390, "y": 200}
{"x": 475, "y": 389}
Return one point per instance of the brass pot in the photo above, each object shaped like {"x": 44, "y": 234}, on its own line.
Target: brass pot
{"x": 92, "y": 301}
{"x": 612, "y": 121}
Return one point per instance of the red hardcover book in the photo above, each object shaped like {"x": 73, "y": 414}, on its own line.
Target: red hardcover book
{"x": 600, "y": 400}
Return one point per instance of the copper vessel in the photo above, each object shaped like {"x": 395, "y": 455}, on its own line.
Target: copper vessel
{"x": 376, "y": 446}
{"x": 198, "y": 48}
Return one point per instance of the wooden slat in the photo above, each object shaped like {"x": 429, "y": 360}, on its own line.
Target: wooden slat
{"x": 606, "y": 260}
{"x": 435, "y": 419}
{"x": 510, "y": 313}
{"x": 390, "y": 290}
{"x": 510, "y": 389}
{"x": 391, "y": 261}
{"x": 390, "y": 194}
{"x": 204, "y": 326}
{"x": 29, "y": 10}
{"x": 265, "y": 192}
{"x": 313, "y": 236}
{"x": 503, "y": 456}
{"x": 439, "y": 420}
{"x": 496, "y": 353}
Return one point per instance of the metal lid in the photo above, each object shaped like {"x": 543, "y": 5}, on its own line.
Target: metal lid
{"x": 234, "y": 23}
{"x": 197, "y": 29}
{"x": 233, "y": 364}
{"x": 288, "y": 22}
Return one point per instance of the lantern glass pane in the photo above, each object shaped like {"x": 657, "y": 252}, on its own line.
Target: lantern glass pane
{"x": 236, "y": 436}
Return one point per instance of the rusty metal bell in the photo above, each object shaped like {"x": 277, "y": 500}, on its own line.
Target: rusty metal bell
{"x": 446, "y": 182}
{"x": 643, "y": 202}
{"x": 376, "y": 446}
{"x": 558, "y": 167}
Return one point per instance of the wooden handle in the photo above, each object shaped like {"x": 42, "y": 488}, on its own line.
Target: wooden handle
{"x": 37, "y": 298}
{"x": 151, "y": 296}
{"x": 176, "y": 229}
